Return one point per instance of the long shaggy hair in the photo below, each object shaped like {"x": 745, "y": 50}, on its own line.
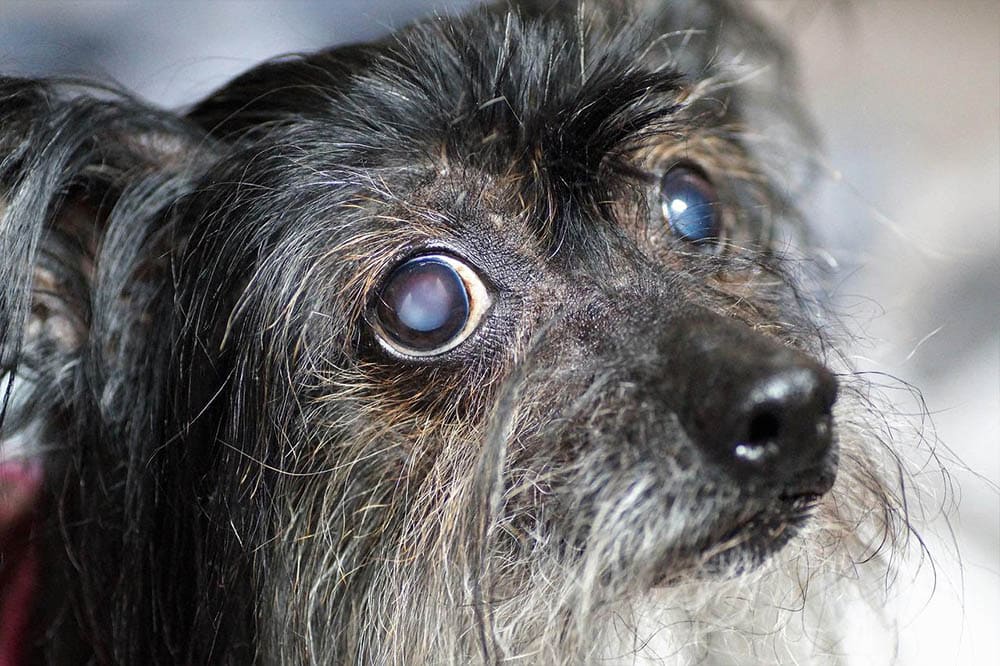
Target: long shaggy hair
{"x": 239, "y": 469}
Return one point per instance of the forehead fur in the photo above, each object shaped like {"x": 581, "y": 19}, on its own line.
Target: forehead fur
{"x": 512, "y": 82}
{"x": 550, "y": 108}
{"x": 505, "y": 89}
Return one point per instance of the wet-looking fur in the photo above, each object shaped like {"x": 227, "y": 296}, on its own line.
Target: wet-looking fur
{"x": 236, "y": 471}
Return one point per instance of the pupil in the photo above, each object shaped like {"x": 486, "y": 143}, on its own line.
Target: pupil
{"x": 424, "y": 305}
{"x": 688, "y": 202}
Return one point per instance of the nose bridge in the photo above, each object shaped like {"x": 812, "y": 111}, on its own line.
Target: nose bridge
{"x": 754, "y": 407}
{"x": 632, "y": 300}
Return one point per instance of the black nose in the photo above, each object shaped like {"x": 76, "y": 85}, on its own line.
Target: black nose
{"x": 756, "y": 408}
{"x": 780, "y": 422}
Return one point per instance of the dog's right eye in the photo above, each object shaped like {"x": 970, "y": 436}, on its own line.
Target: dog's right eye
{"x": 429, "y": 305}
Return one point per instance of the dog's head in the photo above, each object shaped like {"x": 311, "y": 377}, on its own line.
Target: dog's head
{"x": 454, "y": 344}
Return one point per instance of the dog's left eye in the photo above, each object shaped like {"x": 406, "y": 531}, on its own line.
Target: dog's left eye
{"x": 690, "y": 205}
{"x": 429, "y": 305}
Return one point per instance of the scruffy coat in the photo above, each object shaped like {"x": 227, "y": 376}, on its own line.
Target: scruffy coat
{"x": 237, "y": 472}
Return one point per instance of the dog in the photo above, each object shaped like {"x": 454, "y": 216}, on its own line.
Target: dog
{"x": 493, "y": 341}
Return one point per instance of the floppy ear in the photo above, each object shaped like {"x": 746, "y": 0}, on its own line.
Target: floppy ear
{"x": 89, "y": 180}
{"x": 281, "y": 90}
{"x": 80, "y": 167}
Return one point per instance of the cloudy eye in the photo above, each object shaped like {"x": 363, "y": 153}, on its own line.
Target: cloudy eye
{"x": 690, "y": 205}
{"x": 430, "y": 304}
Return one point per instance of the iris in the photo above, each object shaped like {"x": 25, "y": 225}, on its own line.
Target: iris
{"x": 690, "y": 205}
{"x": 424, "y": 305}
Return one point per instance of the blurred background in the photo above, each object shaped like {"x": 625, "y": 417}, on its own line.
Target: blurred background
{"x": 907, "y": 95}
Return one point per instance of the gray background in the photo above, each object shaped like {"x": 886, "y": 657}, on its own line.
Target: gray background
{"x": 908, "y": 96}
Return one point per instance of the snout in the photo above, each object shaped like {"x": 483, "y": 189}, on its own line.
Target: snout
{"x": 756, "y": 409}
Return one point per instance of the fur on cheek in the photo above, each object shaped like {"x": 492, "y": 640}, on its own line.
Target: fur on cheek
{"x": 450, "y": 570}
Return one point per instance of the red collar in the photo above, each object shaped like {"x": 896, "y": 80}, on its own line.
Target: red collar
{"x": 20, "y": 483}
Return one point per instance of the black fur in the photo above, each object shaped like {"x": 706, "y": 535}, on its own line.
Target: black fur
{"x": 186, "y": 299}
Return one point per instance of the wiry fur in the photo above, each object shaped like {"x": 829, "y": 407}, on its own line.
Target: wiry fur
{"x": 237, "y": 473}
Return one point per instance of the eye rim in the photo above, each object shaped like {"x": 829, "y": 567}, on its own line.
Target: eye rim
{"x": 477, "y": 292}
{"x": 714, "y": 244}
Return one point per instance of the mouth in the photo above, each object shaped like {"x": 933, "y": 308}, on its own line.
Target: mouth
{"x": 755, "y": 537}
{"x": 765, "y": 526}
{"x": 744, "y": 542}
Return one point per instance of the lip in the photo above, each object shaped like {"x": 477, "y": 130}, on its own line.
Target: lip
{"x": 813, "y": 485}
{"x": 762, "y": 534}
{"x": 744, "y": 544}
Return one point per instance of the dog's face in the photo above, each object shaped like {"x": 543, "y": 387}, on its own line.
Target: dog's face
{"x": 464, "y": 231}
{"x": 486, "y": 320}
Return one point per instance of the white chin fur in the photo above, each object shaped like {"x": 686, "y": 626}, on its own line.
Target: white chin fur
{"x": 759, "y": 624}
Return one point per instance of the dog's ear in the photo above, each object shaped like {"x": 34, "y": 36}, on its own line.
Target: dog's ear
{"x": 76, "y": 161}
{"x": 280, "y": 91}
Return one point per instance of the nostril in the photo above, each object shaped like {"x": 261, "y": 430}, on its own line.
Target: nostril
{"x": 765, "y": 426}
{"x": 784, "y": 429}
{"x": 761, "y": 438}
